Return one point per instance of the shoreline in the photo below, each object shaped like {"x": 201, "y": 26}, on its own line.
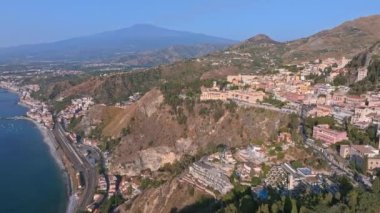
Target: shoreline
{"x": 50, "y": 141}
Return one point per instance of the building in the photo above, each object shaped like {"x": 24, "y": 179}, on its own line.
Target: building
{"x": 373, "y": 163}
{"x": 324, "y": 133}
{"x": 341, "y": 115}
{"x": 344, "y": 151}
{"x": 363, "y": 116}
{"x": 209, "y": 176}
{"x": 213, "y": 95}
{"x": 365, "y": 157}
{"x": 320, "y": 111}
{"x": 362, "y": 73}
{"x": 355, "y": 100}
{"x": 248, "y": 96}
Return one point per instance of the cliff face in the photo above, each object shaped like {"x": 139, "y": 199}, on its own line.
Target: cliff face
{"x": 156, "y": 136}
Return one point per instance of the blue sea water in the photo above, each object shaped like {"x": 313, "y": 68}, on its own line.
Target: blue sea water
{"x": 30, "y": 179}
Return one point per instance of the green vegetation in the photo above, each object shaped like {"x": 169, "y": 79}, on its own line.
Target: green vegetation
{"x": 126, "y": 131}
{"x": 109, "y": 144}
{"x": 149, "y": 183}
{"x": 74, "y": 122}
{"x": 61, "y": 105}
{"x": 367, "y": 136}
{"x": 347, "y": 199}
{"x": 371, "y": 82}
{"x": 291, "y": 68}
{"x": 118, "y": 88}
{"x": 255, "y": 181}
{"x": 271, "y": 100}
{"x": 296, "y": 164}
{"x": 111, "y": 203}
{"x": 311, "y": 122}
{"x": 178, "y": 166}
{"x": 340, "y": 79}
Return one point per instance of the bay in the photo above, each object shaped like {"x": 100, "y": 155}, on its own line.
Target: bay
{"x": 30, "y": 178}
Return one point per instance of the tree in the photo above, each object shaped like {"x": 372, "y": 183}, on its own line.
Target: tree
{"x": 287, "y": 205}
{"x": 294, "y": 206}
{"x": 255, "y": 181}
{"x": 265, "y": 208}
{"x": 328, "y": 198}
{"x": 340, "y": 79}
{"x": 231, "y": 209}
{"x": 294, "y": 121}
{"x": 246, "y": 204}
{"x": 376, "y": 185}
{"x": 274, "y": 208}
{"x": 352, "y": 199}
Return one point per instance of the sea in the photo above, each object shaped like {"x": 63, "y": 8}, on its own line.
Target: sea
{"x": 30, "y": 178}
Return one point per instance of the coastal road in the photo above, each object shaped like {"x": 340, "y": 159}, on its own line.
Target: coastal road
{"x": 80, "y": 164}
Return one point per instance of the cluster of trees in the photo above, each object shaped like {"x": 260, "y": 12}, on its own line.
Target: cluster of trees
{"x": 369, "y": 83}
{"x": 347, "y": 199}
{"x": 340, "y": 79}
{"x": 271, "y": 100}
{"x": 74, "y": 122}
{"x": 178, "y": 167}
{"x": 118, "y": 88}
{"x": 182, "y": 97}
{"x": 111, "y": 203}
{"x": 148, "y": 183}
{"x": 310, "y": 122}
{"x": 358, "y": 136}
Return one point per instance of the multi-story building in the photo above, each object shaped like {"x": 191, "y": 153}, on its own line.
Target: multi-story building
{"x": 209, "y": 176}
{"x": 324, "y": 133}
{"x": 365, "y": 157}
{"x": 249, "y": 96}
{"x": 320, "y": 111}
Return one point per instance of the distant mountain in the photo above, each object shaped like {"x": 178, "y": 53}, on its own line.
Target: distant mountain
{"x": 168, "y": 55}
{"x": 135, "y": 39}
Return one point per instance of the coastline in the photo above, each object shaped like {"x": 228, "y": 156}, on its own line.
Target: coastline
{"x": 59, "y": 158}
{"x": 49, "y": 140}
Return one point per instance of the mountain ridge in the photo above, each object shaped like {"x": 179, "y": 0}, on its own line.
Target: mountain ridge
{"x": 134, "y": 39}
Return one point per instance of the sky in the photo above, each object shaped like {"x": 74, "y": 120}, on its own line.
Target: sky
{"x": 37, "y": 21}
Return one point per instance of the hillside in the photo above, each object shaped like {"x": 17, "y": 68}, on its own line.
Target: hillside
{"x": 169, "y": 127}
{"x": 149, "y": 133}
{"x": 368, "y": 60}
{"x": 113, "y": 44}
{"x": 260, "y": 54}
{"x": 173, "y": 196}
{"x": 168, "y": 55}
{"x": 346, "y": 39}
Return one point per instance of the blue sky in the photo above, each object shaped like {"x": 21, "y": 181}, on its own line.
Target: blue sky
{"x": 27, "y": 21}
